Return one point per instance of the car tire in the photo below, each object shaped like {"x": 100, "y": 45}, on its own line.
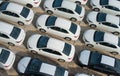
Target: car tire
{"x": 116, "y": 33}
{"x": 89, "y": 45}
{"x": 96, "y": 9}
{"x": 61, "y": 60}
{"x": 77, "y": 2}
{"x": 93, "y": 26}
{"x": 33, "y": 51}
{"x": 114, "y": 53}
{"x": 11, "y": 44}
{"x": 29, "y": 5}
{"x": 73, "y": 19}
{"x": 67, "y": 38}
{"x": 49, "y": 12}
{"x": 20, "y": 23}
{"x": 42, "y": 30}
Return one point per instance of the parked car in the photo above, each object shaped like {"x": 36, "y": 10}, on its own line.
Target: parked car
{"x": 16, "y": 13}
{"x": 107, "y": 6}
{"x": 83, "y": 2}
{"x": 58, "y": 26}
{"x": 65, "y": 9}
{"x": 99, "y": 62}
{"x": 7, "y": 58}
{"x": 51, "y": 47}
{"x": 104, "y": 21}
{"x": 28, "y": 3}
{"x": 102, "y": 41}
{"x": 34, "y": 67}
{"x": 11, "y": 34}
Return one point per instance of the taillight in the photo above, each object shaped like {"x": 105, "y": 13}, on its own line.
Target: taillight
{"x": 81, "y": 16}
{"x": 18, "y": 41}
{"x": 75, "y": 36}
{"x": 84, "y": 0}
{"x": 36, "y": 2}
{"x": 69, "y": 58}
{"x": 28, "y": 20}
{"x": 6, "y": 66}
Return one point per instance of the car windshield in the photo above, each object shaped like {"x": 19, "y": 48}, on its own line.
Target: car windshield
{"x": 73, "y": 28}
{"x": 51, "y": 21}
{"x": 119, "y": 41}
{"x": 67, "y": 49}
{"x": 34, "y": 66}
{"x": 15, "y": 32}
{"x": 98, "y": 36}
{"x": 3, "y": 5}
{"x": 42, "y": 42}
{"x": 101, "y": 17}
{"x": 104, "y": 2}
{"x": 78, "y": 9}
{"x": 25, "y": 11}
{"x": 95, "y": 58}
{"x": 57, "y": 3}
{"x": 59, "y": 71}
{"x": 4, "y": 54}
{"x": 117, "y": 65}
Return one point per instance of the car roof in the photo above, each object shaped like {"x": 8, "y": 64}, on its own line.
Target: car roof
{"x": 5, "y": 27}
{"x": 16, "y": 8}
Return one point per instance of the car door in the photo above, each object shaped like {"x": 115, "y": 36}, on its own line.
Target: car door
{"x": 106, "y": 46}
{"x": 58, "y": 31}
{"x": 4, "y": 37}
{"x": 10, "y": 16}
{"x": 64, "y": 12}
{"x": 111, "y": 10}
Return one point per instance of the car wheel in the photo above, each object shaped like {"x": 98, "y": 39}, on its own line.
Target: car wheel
{"x": 96, "y": 9}
{"x": 116, "y": 33}
{"x": 77, "y": 2}
{"x": 33, "y": 51}
{"x": 29, "y": 5}
{"x": 67, "y": 38}
{"x": 93, "y": 26}
{"x": 61, "y": 60}
{"x": 42, "y": 30}
{"x": 89, "y": 45}
{"x": 49, "y": 12}
{"x": 11, "y": 44}
{"x": 73, "y": 19}
{"x": 114, "y": 53}
{"x": 20, "y": 23}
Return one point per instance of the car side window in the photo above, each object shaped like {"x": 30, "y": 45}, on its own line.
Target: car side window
{"x": 112, "y": 8}
{"x": 59, "y": 29}
{"x": 108, "y": 44}
{"x": 3, "y": 35}
{"x": 10, "y": 13}
{"x": 109, "y": 24}
{"x": 51, "y": 51}
{"x": 65, "y": 10}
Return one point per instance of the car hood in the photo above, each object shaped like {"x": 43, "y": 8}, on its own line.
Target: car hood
{"x": 92, "y": 17}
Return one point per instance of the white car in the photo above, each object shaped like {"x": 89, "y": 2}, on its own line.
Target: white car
{"x": 102, "y": 41}
{"x": 16, "y": 13}
{"x": 28, "y": 66}
{"x": 104, "y": 21}
{"x": 58, "y": 26}
{"x": 107, "y": 6}
{"x": 11, "y": 34}
{"x": 83, "y": 2}
{"x": 7, "y": 58}
{"x": 82, "y": 74}
{"x": 51, "y": 47}
{"x": 28, "y": 3}
{"x": 65, "y": 9}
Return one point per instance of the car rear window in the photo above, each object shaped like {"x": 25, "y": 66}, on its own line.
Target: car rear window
{"x": 78, "y": 9}
{"x": 3, "y": 5}
{"x": 104, "y": 2}
{"x": 59, "y": 71}
{"x": 51, "y": 21}
{"x": 15, "y": 32}
{"x": 57, "y": 3}
{"x": 73, "y": 28}
{"x": 98, "y": 36}
{"x": 67, "y": 49}
{"x": 101, "y": 17}
{"x": 42, "y": 42}
{"x": 25, "y": 11}
{"x": 119, "y": 41}
{"x": 4, "y": 55}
